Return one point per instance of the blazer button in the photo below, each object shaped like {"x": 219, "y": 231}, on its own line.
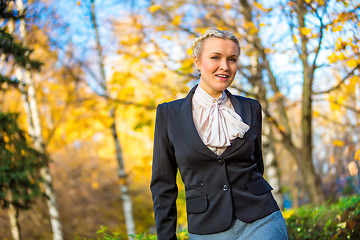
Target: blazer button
{"x": 225, "y": 187}
{"x": 220, "y": 162}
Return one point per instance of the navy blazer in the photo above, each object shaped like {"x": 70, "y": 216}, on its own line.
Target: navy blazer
{"x": 218, "y": 188}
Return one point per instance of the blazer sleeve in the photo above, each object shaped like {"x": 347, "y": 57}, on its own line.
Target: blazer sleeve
{"x": 163, "y": 183}
{"x": 258, "y": 145}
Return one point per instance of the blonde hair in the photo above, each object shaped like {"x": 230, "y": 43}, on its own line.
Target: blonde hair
{"x": 212, "y": 33}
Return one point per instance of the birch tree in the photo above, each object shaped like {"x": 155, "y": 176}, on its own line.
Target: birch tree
{"x": 19, "y": 164}
{"x": 35, "y": 131}
{"x": 123, "y": 181}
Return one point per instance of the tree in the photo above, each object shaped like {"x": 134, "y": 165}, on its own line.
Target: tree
{"x": 27, "y": 90}
{"x": 19, "y": 161}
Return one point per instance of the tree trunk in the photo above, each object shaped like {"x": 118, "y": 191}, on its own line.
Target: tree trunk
{"x": 14, "y": 222}
{"x": 302, "y": 155}
{"x": 28, "y": 95}
{"x": 123, "y": 182}
{"x": 125, "y": 196}
{"x": 272, "y": 172}
{"x": 315, "y": 192}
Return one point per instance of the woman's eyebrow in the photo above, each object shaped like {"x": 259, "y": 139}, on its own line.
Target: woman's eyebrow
{"x": 234, "y": 55}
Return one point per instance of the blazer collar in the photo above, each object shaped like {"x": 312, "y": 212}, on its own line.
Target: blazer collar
{"x": 191, "y": 135}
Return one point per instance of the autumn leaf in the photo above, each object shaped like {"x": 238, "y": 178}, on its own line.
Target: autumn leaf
{"x": 166, "y": 37}
{"x": 316, "y": 114}
{"x": 332, "y": 159}
{"x": 295, "y": 39}
{"x": 177, "y": 20}
{"x": 332, "y": 58}
{"x": 352, "y": 63}
{"x": 357, "y": 155}
{"x": 154, "y": 8}
{"x": 338, "y": 28}
{"x": 95, "y": 185}
{"x": 305, "y": 31}
{"x": 281, "y": 128}
{"x": 338, "y": 143}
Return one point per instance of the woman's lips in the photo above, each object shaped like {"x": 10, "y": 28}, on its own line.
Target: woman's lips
{"x": 222, "y": 77}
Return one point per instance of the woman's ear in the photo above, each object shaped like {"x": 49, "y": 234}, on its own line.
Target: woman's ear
{"x": 197, "y": 62}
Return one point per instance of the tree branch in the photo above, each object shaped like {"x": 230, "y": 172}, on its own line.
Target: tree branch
{"x": 340, "y": 83}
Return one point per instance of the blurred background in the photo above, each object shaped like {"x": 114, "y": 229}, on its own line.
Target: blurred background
{"x": 80, "y": 82}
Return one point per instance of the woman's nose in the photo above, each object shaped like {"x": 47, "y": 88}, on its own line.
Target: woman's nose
{"x": 224, "y": 65}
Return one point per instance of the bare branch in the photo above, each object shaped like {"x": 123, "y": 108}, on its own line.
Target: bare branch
{"x": 340, "y": 83}
{"x": 339, "y": 123}
{"x": 348, "y": 107}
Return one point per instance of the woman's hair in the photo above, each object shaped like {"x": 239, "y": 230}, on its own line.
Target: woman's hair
{"x": 212, "y": 33}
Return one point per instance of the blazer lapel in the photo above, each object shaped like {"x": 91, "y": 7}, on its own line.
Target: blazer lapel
{"x": 243, "y": 108}
{"x": 188, "y": 129}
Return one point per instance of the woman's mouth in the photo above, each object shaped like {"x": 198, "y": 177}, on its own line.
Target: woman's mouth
{"x": 222, "y": 76}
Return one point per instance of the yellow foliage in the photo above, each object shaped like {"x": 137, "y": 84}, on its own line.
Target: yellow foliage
{"x": 154, "y": 8}
{"x": 338, "y": 143}
{"x": 338, "y": 28}
{"x": 351, "y": 87}
{"x": 227, "y": 6}
{"x": 95, "y": 185}
{"x": 166, "y": 37}
{"x": 340, "y": 100}
{"x": 261, "y": 7}
{"x": 332, "y": 58}
{"x": 352, "y": 63}
{"x": 160, "y": 28}
{"x": 316, "y": 114}
{"x": 281, "y": 128}
{"x": 201, "y": 30}
{"x": 6, "y": 138}
{"x": 182, "y": 235}
{"x": 357, "y": 155}
{"x": 189, "y": 51}
{"x": 295, "y": 39}
{"x": 177, "y": 20}
{"x": 262, "y": 25}
{"x": 336, "y": 56}
{"x": 258, "y": 5}
{"x": 288, "y": 213}
{"x": 332, "y": 159}
{"x": 305, "y": 31}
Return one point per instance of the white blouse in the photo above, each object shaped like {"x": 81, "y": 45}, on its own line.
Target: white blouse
{"x": 216, "y": 120}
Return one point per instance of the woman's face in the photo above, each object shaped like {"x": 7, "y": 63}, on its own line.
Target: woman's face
{"x": 217, "y": 64}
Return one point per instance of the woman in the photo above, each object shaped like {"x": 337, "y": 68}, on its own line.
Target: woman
{"x": 214, "y": 139}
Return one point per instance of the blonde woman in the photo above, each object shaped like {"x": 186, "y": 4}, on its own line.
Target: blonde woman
{"x": 214, "y": 139}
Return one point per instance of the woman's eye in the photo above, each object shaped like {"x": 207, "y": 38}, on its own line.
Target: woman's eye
{"x": 214, "y": 57}
{"x": 233, "y": 59}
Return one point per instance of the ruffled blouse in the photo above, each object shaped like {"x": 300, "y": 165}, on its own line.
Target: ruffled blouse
{"x": 216, "y": 121}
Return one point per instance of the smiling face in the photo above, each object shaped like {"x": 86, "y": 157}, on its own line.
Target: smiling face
{"x": 217, "y": 64}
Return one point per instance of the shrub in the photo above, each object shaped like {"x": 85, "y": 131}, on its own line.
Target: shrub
{"x": 339, "y": 220}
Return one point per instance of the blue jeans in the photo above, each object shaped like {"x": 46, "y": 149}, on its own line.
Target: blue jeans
{"x": 268, "y": 228}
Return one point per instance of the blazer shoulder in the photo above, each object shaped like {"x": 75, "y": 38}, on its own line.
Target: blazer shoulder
{"x": 172, "y": 105}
